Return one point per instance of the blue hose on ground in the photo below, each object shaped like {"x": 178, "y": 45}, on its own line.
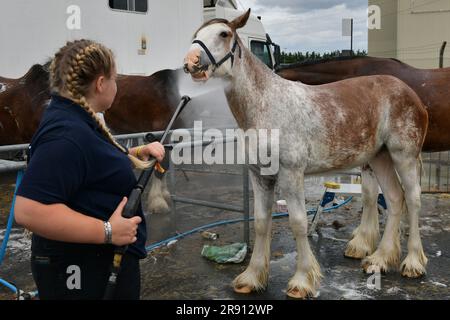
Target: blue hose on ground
{"x": 9, "y": 286}
{"x": 220, "y": 223}
{"x": 8, "y": 232}
{"x": 6, "y": 239}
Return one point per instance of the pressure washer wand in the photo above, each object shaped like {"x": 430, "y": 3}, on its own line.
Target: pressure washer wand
{"x": 131, "y": 207}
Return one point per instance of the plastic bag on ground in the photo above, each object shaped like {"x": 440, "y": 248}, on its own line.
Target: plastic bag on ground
{"x": 234, "y": 253}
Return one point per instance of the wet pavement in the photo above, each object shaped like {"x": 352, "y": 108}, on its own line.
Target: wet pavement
{"x": 180, "y": 272}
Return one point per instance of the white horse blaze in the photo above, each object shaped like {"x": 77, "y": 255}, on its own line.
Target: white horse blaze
{"x": 391, "y": 117}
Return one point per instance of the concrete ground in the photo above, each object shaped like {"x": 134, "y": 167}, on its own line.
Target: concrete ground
{"x": 180, "y": 272}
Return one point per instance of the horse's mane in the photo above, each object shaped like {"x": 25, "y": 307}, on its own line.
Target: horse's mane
{"x": 37, "y": 73}
{"x": 396, "y": 60}
{"x": 332, "y": 59}
{"x": 46, "y": 65}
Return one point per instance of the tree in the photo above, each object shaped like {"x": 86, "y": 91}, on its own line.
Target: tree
{"x": 297, "y": 57}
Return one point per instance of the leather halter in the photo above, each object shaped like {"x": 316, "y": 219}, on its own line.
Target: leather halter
{"x": 215, "y": 64}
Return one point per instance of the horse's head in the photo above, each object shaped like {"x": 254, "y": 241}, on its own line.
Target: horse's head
{"x": 215, "y": 48}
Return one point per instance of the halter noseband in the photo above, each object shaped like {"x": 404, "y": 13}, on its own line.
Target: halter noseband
{"x": 215, "y": 64}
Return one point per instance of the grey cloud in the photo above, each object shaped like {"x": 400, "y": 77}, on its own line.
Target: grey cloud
{"x": 317, "y": 28}
{"x": 306, "y": 5}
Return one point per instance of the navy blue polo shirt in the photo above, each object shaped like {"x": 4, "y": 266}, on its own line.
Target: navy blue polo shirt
{"x": 72, "y": 163}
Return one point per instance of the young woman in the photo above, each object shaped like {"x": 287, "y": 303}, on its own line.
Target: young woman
{"x": 75, "y": 187}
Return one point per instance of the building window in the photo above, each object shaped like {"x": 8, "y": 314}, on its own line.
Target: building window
{"x": 261, "y": 50}
{"x": 209, "y": 3}
{"x": 140, "y": 6}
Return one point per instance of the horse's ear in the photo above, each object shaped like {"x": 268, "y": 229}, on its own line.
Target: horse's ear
{"x": 240, "y": 21}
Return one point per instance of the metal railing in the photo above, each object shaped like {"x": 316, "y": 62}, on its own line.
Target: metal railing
{"x": 435, "y": 176}
{"x": 132, "y": 139}
{"x": 9, "y": 165}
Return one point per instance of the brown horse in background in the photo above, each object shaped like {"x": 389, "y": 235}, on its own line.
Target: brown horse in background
{"x": 22, "y": 102}
{"x": 142, "y": 103}
{"x": 432, "y": 86}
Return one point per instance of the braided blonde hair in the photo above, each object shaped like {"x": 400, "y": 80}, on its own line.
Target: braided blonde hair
{"x": 72, "y": 71}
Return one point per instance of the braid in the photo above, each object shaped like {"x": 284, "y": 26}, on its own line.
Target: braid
{"x": 72, "y": 72}
{"x": 56, "y": 79}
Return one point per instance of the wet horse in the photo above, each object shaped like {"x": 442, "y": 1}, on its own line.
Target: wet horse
{"x": 142, "y": 104}
{"x": 431, "y": 85}
{"x": 389, "y": 124}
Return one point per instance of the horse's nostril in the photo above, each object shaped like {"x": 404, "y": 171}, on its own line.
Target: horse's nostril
{"x": 186, "y": 68}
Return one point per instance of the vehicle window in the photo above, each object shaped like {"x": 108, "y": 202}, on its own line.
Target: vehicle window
{"x": 261, "y": 50}
{"x": 140, "y": 6}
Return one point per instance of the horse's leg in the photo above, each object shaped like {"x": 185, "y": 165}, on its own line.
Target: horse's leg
{"x": 156, "y": 202}
{"x": 366, "y": 235}
{"x": 255, "y": 277}
{"x": 388, "y": 252}
{"x": 415, "y": 262}
{"x": 307, "y": 275}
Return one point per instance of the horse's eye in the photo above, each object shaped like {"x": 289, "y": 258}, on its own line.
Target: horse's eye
{"x": 224, "y": 34}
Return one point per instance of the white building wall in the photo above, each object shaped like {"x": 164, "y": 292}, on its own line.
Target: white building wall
{"x": 32, "y": 31}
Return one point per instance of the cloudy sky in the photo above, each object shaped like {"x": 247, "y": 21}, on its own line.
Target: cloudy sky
{"x": 307, "y": 25}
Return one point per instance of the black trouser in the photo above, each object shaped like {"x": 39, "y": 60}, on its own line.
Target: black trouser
{"x": 84, "y": 275}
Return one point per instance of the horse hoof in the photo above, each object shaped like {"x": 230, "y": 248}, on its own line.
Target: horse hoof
{"x": 370, "y": 268}
{"x": 167, "y": 197}
{"x": 357, "y": 248}
{"x": 351, "y": 254}
{"x": 243, "y": 290}
{"x": 298, "y": 294}
{"x": 159, "y": 206}
{"x": 414, "y": 266}
{"x": 413, "y": 273}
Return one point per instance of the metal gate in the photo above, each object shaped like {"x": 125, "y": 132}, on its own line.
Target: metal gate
{"x": 435, "y": 177}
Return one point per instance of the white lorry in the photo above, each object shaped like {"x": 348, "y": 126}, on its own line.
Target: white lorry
{"x": 145, "y": 35}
